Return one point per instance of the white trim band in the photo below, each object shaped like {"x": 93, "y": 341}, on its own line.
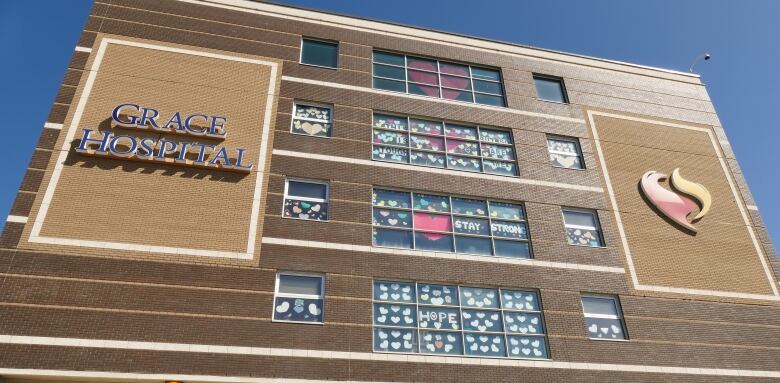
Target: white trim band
{"x": 449, "y": 172}
{"x": 303, "y": 353}
{"x": 16, "y": 218}
{"x": 52, "y": 125}
{"x": 83, "y": 49}
{"x": 434, "y": 254}
{"x": 752, "y": 207}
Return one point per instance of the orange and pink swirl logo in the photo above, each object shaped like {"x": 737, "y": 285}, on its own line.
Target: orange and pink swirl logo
{"x": 679, "y": 203}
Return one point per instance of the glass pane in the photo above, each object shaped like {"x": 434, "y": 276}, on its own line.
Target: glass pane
{"x": 386, "y": 153}
{"x": 605, "y": 328}
{"x": 300, "y": 284}
{"x": 386, "y": 314}
{"x": 394, "y": 291}
{"x": 433, "y": 242}
{"x": 458, "y": 131}
{"x": 469, "y": 206}
{"x": 390, "y": 122}
{"x": 437, "y": 295}
{"x": 423, "y": 77}
{"x": 583, "y": 237}
{"x": 439, "y": 318}
{"x": 487, "y": 87}
{"x": 520, "y": 300}
{"x": 306, "y": 189}
{"x": 506, "y": 229}
{"x": 503, "y": 210}
{"x": 298, "y": 309}
{"x": 500, "y": 167}
{"x": 389, "y": 71}
{"x": 311, "y": 111}
{"x": 478, "y": 297}
{"x": 484, "y": 345}
{"x": 317, "y": 211}
{"x": 395, "y": 340}
{"x": 441, "y": 342}
{"x": 562, "y": 146}
{"x": 460, "y": 95}
{"x": 388, "y": 58}
{"x": 312, "y": 128}
{"x": 475, "y": 226}
{"x": 527, "y": 347}
{"x": 523, "y": 323}
{"x": 432, "y": 222}
{"x": 427, "y": 159}
{"x": 319, "y": 53}
{"x": 599, "y": 305}
{"x": 579, "y": 218}
{"x": 456, "y": 69}
{"x": 425, "y": 127}
{"x": 514, "y": 249}
{"x": 459, "y": 83}
{"x": 388, "y": 137}
{"x": 485, "y": 99}
{"x": 485, "y": 74}
{"x": 495, "y": 136}
{"x": 391, "y": 198}
{"x": 549, "y": 89}
{"x": 482, "y": 321}
{"x": 420, "y": 63}
{"x": 393, "y": 85}
{"x": 427, "y": 143}
{"x": 499, "y": 152}
{"x": 463, "y": 147}
{"x": 564, "y": 161}
{"x": 431, "y": 202}
{"x": 392, "y": 238}
{"x": 464, "y": 163}
{"x": 424, "y": 90}
{"x": 392, "y": 218}
{"x": 473, "y": 245}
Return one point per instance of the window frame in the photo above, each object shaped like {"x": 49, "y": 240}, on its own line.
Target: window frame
{"x": 444, "y": 139}
{"x": 304, "y": 296}
{"x": 560, "y": 81}
{"x": 619, "y": 317}
{"x": 438, "y": 73}
{"x": 597, "y": 229}
{"x": 332, "y": 42}
{"x": 314, "y": 104}
{"x": 577, "y": 145}
{"x": 308, "y": 199}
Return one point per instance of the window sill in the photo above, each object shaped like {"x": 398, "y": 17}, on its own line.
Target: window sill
{"x": 296, "y": 322}
{"x": 309, "y": 135}
{"x": 556, "y": 167}
{"x": 609, "y": 340}
{"x": 588, "y": 246}
{"x": 553, "y": 101}
{"x": 319, "y": 66}
{"x": 305, "y": 219}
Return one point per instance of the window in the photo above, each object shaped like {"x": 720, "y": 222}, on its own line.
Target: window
{"x": 312, "y": 119}
{"x": 319, "y": 53}
{"x": 306, "y": 200}
{"x": 582, "y": 228}
{"x": 565, "y": 152}
{"x": 550, "y": 89}
{"x": 434, "y": 78}
{"x": 449, "y": 224}
{"x": 299, "y": 298}
{"x": 603, "y": 317}
{"x": 443, "y": 145}
{"x": 457, "y": 320}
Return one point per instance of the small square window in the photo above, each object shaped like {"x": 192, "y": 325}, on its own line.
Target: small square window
{"x": 603, "y": 317}
{"x": 582, "y": 228}
{"x": 299, "y": 298}
{"x": 565, "y": 152}
{"x": 550, "y": 89}
{"x": 312, "y": 119}
{"x": 319, "y": 53}
{"x": 306, "y": 200}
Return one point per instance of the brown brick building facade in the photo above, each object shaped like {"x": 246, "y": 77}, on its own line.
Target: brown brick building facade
{"x": 125, "y": 263}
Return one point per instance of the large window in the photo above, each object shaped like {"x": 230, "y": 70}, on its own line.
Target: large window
{"x": 305, "y": 200}
{"x": 550, "y": 89}
{"x": 434, "y": 78}
{"x": 458, "y": 320}
{"x": 312, "y": 119}
{"x": 603, "y": 317}
{"x": 565, "y": 152}
{"x": 582, "y": 227}
{"x": 299, "y": 298}
{"x": 443, "y": 145}
{"x": 319, "y": 53}
{"x": 449, "y": 224}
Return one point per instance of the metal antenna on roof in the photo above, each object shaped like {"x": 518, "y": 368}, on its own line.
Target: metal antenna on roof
{"x": 705, "y": 56}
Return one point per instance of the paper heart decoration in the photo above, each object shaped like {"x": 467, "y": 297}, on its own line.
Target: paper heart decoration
{"x": 448, "y": 347}
{"x": 381, "y": 318}
{"x": 484, "y": 348}
{"x": 537, "y": 352}
{"x": 430, "y": 347}
{"x": 383, "y": 345}
{"x": 312, "y": 128}
{"x": 382, "y": 335}
{"x": 428, "y": 337}
{"x": 593, "y": 328}
{"x": 526, "y": 351}
{"x": 282, "y": 308}
{"x": 314, "y": 310}
{"x": 395, "y": 334}
{"x": 396, "y": 345}
{"x": 408, "y": 336}
{"x": 615, "y": 329}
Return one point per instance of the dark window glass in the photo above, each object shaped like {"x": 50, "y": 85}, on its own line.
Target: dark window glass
{"x": 488, "y": 99}
{"x": 392, "y": 238}
{"x": 319, "y": 53}
{"x": 389, "y": 58}
{"x": 550, "y": 89}
{"x": 395, "y": 86}
{"x": 389, "y": 71}
{"x": 485, "y": 74}
{"x": 487, "y": 87}
{"x": 473, "y": 245}
{"x": 307, "y": 189}
{"x": 514, "y": 249}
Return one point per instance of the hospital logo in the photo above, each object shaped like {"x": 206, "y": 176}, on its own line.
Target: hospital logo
{"x": 679, "y": 203}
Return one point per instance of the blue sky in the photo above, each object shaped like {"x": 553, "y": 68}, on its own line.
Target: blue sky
{"x": 742, "y": 76}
